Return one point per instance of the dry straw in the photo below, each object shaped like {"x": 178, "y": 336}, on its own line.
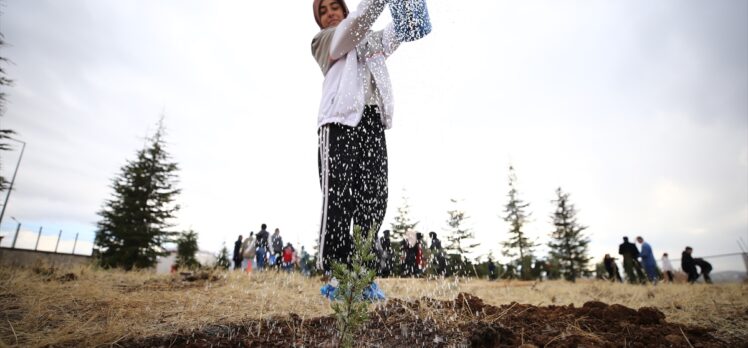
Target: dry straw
{"x": 85, "y": 306}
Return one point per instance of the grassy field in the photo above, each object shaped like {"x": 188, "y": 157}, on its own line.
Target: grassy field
{"x": 89, "y": 307}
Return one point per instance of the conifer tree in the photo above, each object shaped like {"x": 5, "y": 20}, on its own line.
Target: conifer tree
{"x": 459, "y": 237}
{"x": 518, "y": 243}
{"x": 222, "y": 261}
{"x": 4, "y": 80}
{"x": 402, "y": 222}
{"x": 402, "y": 225}
{"x": 458, "y": 233}
{"x": 351, "y": 310}
{"x": 186, "y": 250}
{"x": 568, "y": 243}
{"x": 4, "y": 133}
{"x": 135, "y": 222}
{"x": 553, "y": 268}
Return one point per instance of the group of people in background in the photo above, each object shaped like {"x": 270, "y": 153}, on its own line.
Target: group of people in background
{"x": 640, "y": 266}
{"x": 412, "y": 257}
{"x": 267, "y": 251}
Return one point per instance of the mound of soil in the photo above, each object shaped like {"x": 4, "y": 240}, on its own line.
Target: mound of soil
{"x": 466, "y": 322}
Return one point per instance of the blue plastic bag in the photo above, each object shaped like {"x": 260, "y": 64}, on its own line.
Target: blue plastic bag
{"x": 371, "y": 292}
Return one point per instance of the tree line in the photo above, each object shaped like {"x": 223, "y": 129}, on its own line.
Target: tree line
{"x": 568, "y": 244}
{"x": 136, "y": 223}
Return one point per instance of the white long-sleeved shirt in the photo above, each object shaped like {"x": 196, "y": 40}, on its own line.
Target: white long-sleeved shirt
{"x": 355, "y": 55}
{"x": 666, "y": 266}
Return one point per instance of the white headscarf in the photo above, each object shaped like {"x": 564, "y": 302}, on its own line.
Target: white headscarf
{"x": 410, "y": 236}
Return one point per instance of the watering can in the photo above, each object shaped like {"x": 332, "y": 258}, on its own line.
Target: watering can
{"x": 411, "y": 19}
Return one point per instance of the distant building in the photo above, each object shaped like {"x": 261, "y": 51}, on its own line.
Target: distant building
{"x": 164, "y": 263}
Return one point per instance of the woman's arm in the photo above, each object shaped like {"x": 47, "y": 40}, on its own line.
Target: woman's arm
{"x": 383, "y": 41}
{"x": 353, "y": 29}
{"x": 389, "y": 40}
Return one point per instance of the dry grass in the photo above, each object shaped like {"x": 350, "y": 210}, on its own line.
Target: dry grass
{"x": 105, "y": 307}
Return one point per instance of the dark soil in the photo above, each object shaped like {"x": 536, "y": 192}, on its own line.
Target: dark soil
{"x": 464, "y": 322}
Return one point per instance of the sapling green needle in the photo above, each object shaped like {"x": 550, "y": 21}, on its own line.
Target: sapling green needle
{"x": 351, "y": 310}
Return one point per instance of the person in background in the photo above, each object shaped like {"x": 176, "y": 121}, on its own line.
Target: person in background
{"x": 648, "y": 260}
{"x": 376, "y": 249}
{"x": 437, "y": 253}
{"x": 630, "y": 253}
{"x": 288, "y": 257}
{"x": 420, "y": 262}
{"x": 639, "y": 272}
{"x": 277, "y": 244}
{"x": 410, "y": 249}
{"x": 612, "y": 268}
{"x": 667, "y": 267}
{"x": 304, "y": 262}
{"x": 386, "y": 260}
{"x": 238, "y": 253}
{"x": 705, "y": 267}
{"x": 491, "y": 269}
{"x": 689, "y": 265}
{"x": 249, "y": 249}
{"x": 262, "y": 246}
{"x": 402, "y": 266}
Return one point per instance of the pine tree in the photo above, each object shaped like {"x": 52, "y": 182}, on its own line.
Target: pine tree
{"x": 4, "y": 133}
{"x": 135, "y": 221}
{"x": 351, "y": 311}
{"x": 518, "y": 244}
{"x": 186, "y": 250}
{"x": 458, "y": 237}
{"x": 553, "y": 268}
{"x": 222, "y": 261}
{"x": 402, "y": 222}
{"x": 402, "y": 225}
{"x": 568, "y": 244}
{"x": 4, "y": 81}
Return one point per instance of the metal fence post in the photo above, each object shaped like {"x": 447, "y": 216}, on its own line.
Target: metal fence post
{"x": 18, "y": 229}
{"x": 37, "y": 238}
{"x": 58, "y": 241}
{"x": 75, "y": 243}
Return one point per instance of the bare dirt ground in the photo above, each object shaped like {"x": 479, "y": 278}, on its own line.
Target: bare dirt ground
{"x": 88, "y": 307}
{"x": 465, "y": 321}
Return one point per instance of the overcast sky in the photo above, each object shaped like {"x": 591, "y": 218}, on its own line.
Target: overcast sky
{"x": 638, "y": 109}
